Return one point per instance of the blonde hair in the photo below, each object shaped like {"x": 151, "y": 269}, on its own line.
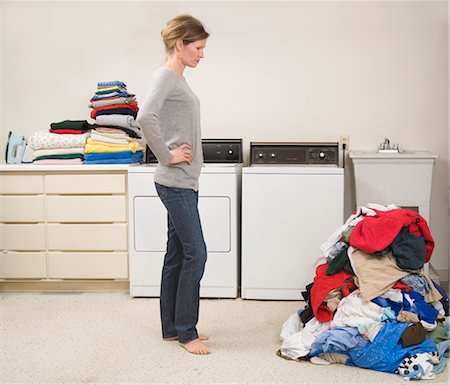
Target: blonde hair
{"x": 184, "y": 27}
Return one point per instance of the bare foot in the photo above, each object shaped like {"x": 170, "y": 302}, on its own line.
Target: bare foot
{"x": 202, "y": 337}
{"x": 196, "y": 347}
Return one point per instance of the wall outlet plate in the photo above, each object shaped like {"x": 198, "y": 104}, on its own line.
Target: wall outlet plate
{"x": 344, "y": 139}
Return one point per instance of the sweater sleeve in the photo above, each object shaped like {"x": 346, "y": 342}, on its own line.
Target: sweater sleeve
{"x": 148, "y": 116}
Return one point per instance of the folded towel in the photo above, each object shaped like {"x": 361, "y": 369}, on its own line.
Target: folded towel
{"x": 110, "y": 128}
{"x": 118, "y": 157}
{"x": 108, "y": 139}
{"x": 95, "y": 146}
{"x": 45, "y": 140}
{"x": 62, "y": 156}
{"x": 111, "y": 155}
{"x": 59, "y": 151}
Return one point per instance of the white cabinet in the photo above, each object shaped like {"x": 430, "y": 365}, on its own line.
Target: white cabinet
{"x": 63, "y": 225}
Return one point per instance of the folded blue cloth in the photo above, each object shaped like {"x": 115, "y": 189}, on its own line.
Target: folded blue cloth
{"x": 111, "y": 94}
{"x": 119, "y": 111}
{"x": 110, "y": 158}
{"x": 112, "y": 83}
{"x": 113, "y": 155}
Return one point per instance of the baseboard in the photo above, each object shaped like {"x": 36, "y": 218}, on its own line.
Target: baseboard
{"x": 443, "y": 278}
{"x": 63, "y": 286}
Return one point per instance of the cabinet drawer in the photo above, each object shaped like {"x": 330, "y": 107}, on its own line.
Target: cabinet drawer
{"x": 22, "y": 265}
{"x": 87, "y": 236}
{"x": 106, "y": 208}
{"x": 100, "y": 265}
{"x": 22, "y": 208}
{"x": 22, "y": 237}
{"x": 21, "y": 184}
{"x": 85, "y": 184}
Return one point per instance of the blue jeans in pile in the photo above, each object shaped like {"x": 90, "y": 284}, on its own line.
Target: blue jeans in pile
{"x": 184, "y": 264}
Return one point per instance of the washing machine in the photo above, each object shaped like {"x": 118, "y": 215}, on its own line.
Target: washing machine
{"x": 219, "y": 207}
{"x": 292, "y": 200}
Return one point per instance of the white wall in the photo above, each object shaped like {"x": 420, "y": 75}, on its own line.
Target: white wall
{"x": 275, "y": 71}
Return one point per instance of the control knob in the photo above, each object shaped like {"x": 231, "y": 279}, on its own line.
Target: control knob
{"x": 321, "y": 155}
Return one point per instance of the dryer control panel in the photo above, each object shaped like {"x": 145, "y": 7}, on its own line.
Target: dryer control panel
{"x": 300, "y": 153}
{"x": 214, "y": 151}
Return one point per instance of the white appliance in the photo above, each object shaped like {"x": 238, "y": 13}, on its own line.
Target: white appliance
{"x": 219, "y": 206}
{"x": 292, "y": 200}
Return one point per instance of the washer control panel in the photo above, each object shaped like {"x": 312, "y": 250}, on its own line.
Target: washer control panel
{"x": 294, "y": 153}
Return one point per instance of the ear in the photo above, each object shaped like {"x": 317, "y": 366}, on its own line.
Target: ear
{"x": 179, "y": 44}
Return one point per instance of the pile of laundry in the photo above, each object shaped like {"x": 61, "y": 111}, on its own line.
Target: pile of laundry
{"x": 63, "y": 143}
{"x": 116, "y": 134}
{"x": 371, "y": 303}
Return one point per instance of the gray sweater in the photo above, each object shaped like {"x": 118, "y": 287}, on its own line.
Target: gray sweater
{"x": 169, "y": 117}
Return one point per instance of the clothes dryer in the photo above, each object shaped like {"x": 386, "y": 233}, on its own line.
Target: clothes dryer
{"x": 292, "y": 200}
{"x": 219, "y": 207}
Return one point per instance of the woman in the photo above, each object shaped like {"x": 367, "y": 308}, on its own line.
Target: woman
{"x": 170, "y": 122}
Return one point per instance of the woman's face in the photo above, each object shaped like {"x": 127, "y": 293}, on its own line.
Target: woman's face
{"x": 191, "y": 53}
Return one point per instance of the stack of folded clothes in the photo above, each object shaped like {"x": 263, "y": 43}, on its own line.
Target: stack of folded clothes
{"x": 63, "y": 143}
{"x": 116, "y": 134}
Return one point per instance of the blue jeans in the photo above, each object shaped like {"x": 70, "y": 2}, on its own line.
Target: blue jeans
{"x": 184, "y": 264}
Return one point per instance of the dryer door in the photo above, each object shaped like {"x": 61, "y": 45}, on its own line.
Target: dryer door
{"x": 150, "y": 224}
{"x": 215, "y": 217}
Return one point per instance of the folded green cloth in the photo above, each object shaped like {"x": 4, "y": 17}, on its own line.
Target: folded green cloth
{"x": 82, "y": 125}
{"x": 61, "y": 156}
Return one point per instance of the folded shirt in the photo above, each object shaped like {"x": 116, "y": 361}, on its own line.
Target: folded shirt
{"x": 106, "y": 90}
{"x": 126, "y": 121}
{"x": 81, "y": 125}
{"x": 66, "y": 131}
{"x": 112, "y": 83}
{"x": 111, "y": 101}
{"x": 110, "y": 94}
{"x": 117, "y": 111}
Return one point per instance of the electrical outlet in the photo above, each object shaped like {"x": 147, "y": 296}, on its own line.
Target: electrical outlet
{"x": 343, "y": 139}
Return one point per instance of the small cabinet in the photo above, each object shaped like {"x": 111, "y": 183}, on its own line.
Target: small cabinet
{"x": 57, "y": 225}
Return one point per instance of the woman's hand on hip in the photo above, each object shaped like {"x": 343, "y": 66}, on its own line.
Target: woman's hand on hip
{"x": 181, "y": 154}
